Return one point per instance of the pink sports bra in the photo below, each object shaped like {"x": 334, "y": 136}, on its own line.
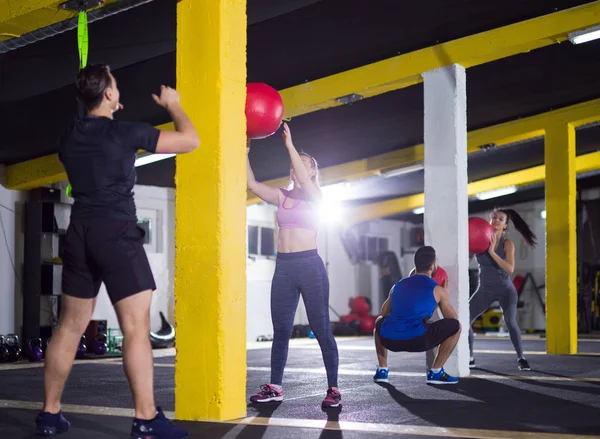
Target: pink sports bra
{"x": 300, "y": 216}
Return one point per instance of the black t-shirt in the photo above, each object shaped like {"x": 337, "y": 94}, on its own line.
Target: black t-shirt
{"x": 99, "y": 156}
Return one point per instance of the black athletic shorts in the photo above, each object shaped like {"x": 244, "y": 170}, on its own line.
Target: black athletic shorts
{"x": 436, "y": 333}
{"x": 105, "y": 250}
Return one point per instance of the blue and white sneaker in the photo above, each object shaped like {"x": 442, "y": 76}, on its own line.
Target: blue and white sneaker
{"x": 381, "y": 375}
{"x": 440, "y": 377}
{"x": 48, "y": 424}
{"x": 157, "y": 428}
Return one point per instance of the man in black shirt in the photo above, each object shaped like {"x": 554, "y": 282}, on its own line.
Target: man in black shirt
{"x": 104, "y": 244}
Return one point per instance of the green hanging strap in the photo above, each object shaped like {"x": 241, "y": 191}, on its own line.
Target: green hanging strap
{"x": 83, "y": 48}
{"x": 82, "y": 39}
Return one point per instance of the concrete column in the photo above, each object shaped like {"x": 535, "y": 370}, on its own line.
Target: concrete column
{"x": 561, "y": 240}
{"x": 446, "y": 203}
{"x": 210, "y": 213}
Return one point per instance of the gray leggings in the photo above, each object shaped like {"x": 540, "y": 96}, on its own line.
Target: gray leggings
{"x": 301, "y": 273}
{"x": 503, "y": 290}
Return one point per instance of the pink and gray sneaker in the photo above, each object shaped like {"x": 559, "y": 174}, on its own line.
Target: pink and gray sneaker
{"x": 333, "y": 398}
{"x": 268, "y": 393}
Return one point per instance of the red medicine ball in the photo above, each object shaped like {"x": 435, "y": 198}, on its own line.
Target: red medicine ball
{"x": 264, "y": 110}
{"x": 440, "y": 275}
{"x": 480, "y": 235}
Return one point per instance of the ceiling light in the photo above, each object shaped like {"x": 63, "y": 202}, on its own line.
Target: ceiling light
{"x": 585, "y": 35}
{"x": 543, "y": 214}
{"x": 496, "y": 193}
{"x": 151, "y": 158}
{"x": 402, "y": 171}
{"x": 419, "y": 210}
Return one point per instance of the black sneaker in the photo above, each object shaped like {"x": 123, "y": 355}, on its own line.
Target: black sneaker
{"x": 523, "y": 364}
{"x": 471, "y": 364}
{"x": 49, "y": 425}
{"x": 157, "y": 428}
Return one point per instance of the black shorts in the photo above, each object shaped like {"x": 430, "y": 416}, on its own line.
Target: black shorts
{"x": 105, "y": 250}
{"x": 436, "y": 333}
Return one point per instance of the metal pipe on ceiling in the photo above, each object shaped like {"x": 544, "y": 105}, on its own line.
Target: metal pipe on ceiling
{"x": 67, "y": 25}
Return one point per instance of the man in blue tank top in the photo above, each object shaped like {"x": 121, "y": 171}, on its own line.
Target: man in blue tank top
{"x": 405, "y": 326}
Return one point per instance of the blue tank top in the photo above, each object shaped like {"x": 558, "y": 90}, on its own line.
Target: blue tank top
{"x": 488, "y": 267}
{"x": 413, "y": 303}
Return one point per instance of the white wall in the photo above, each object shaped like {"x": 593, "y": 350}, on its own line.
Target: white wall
{"x": 11, "y": 253}
{"x": 158, "y": 204}
{"x": 259, "y": 272}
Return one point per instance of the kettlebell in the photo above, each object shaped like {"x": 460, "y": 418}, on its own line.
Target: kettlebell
{"x": 35, "y": 352}
{"x": 100, "y": 346}
{"x": 82, "y": 348}
{"x": 45, "y": 343}
{"x": 11, "y": 342}
{"x": 3, "y": 351}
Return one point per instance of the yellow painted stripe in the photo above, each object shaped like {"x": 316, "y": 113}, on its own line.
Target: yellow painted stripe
{"x": 406, "y": 70}
{"x": 398, "y": 429}
{"x": 368, "y": 212}
{"x": 74, "y": 408}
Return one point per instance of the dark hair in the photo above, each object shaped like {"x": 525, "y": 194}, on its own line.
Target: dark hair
{"x": 91, "y": 83}
{"x": 424, "y": 258}
{"x": 520, "y": 224}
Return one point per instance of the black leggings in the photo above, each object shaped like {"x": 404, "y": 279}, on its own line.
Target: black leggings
{"x": 301, "y": 273}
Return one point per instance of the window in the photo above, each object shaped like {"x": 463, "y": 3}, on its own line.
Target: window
{"x": 144, "y": 224}
{"x": 261, "y": 241}
{"x": 267, "y": 241}
{"x": 371, "y": 247}
{"x": 253, "y": 240}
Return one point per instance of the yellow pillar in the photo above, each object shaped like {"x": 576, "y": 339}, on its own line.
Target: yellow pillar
{"x": 561, "y": 240}
{"x": 210, "y": 209}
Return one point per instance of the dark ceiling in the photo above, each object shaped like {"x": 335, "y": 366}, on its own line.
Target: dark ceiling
{"x": 301, "y": 40}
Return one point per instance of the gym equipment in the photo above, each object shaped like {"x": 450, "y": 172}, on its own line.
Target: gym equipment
{"x": 299, "y": 331}
{"x": 367, "y": 324}
{"x": 353, "y": 322}
{"x": 82, "y": 348}
{"x": 34, "y": 351}
{"x": 3, "y": 351}
{"x": 165, "y": 337}
{"x": 480, "y": 235}
{"x": 440, "y": 275}
{"x": 360, "y": 306}
{"x": 100, "y": 346}
{"x": 45, "y": 342}
{"x": 264, "y": 110}
{"x": 94, "y": 328}
{"x": 264, "y": 338}
{"x": 11, "y": 341}
{"x": 115, "y": 341}
{"x": 389, "y": 273}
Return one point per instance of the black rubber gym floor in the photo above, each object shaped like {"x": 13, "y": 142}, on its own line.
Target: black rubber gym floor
{"x": 561, "y": 395}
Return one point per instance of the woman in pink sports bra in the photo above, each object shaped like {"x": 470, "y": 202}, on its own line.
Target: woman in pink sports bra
{"x": 299, "y": 271}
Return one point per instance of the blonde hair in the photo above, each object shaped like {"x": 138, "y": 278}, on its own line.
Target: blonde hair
{"x": 317, "y": 177}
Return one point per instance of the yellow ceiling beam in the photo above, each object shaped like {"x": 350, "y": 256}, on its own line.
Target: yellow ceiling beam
{"x": 405, "y": 70}
{"x": 498, "y": 135}
{"x": 536, "y": 174}
{"x": 370, "y": 80}
{"x": 18, "y": 17}
{"x": 47, "y": 170}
